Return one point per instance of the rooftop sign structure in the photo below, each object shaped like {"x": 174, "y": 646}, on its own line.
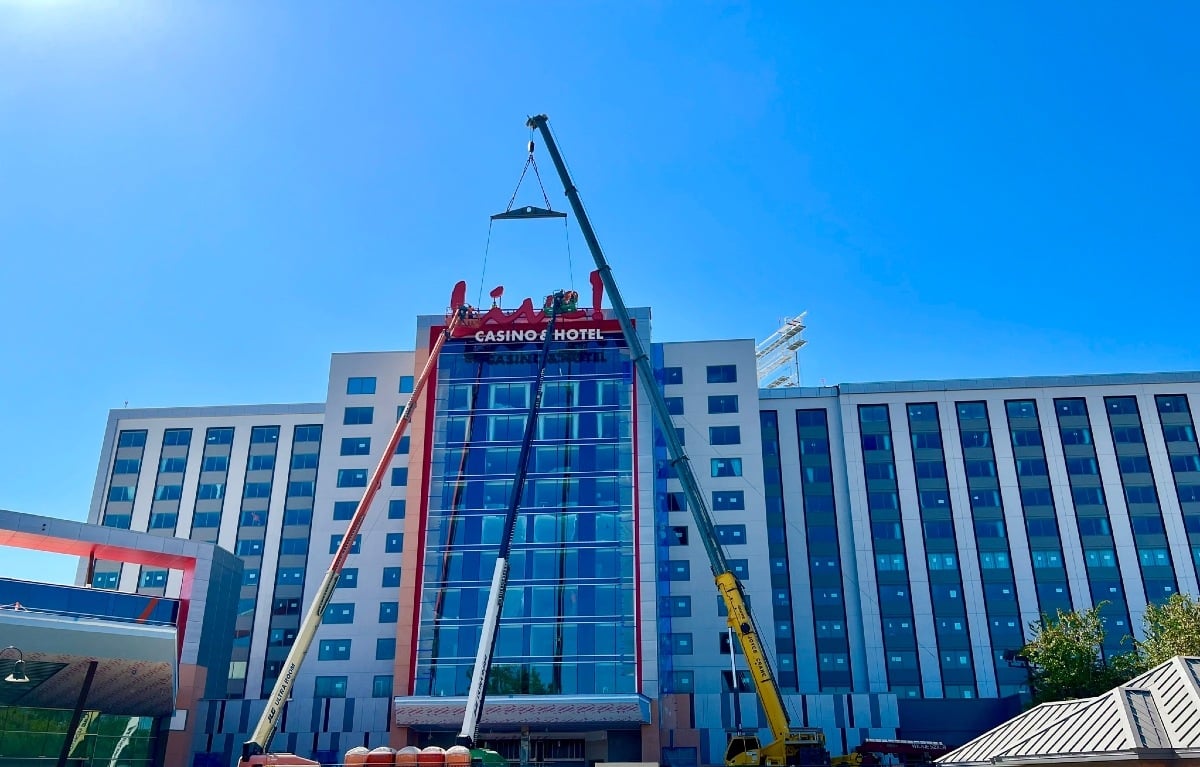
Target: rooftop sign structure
{"x": 778, "y": 358}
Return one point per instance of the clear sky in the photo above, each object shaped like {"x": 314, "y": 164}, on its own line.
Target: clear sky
{"x": 200, "y": 201}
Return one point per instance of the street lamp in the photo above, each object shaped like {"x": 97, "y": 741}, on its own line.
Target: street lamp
{"x": 17, "y": 675}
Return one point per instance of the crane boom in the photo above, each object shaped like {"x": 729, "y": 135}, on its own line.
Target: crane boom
{"x": 260, "y": 738}
{"x": 788, "y": 741}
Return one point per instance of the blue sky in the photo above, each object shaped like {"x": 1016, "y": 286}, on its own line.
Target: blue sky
{"x": 199, "y": 202}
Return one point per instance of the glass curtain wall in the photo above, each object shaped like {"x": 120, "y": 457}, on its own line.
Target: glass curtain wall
{"x": 568, "y": 625}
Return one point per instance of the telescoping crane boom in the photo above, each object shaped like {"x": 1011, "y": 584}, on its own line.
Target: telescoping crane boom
{"x": 254, "y": 750}
{"x": 790, "y": 745}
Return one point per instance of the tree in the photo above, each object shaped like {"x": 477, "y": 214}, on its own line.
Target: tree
{"x": 1066, "y": 657}
{"x": 1172, "y": 628}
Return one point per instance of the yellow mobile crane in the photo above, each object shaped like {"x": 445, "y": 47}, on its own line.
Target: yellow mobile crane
{"x": 790, "y": 746}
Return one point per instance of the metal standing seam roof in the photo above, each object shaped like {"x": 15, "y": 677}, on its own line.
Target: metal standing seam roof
{"x": 1156, "y": 713}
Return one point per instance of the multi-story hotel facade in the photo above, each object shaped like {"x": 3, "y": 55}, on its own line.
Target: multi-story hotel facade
{"x": 895, "y": 539}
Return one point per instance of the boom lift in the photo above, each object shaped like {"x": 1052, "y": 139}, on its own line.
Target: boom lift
{"x": 254, "y": 751}
{"x": 790, "y": 745}
{"x": 491, "y": 617}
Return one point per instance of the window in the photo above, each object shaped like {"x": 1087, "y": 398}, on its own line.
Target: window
{"x": 1141, "y": 494}
{"x": 675, "y": 570}
{"x": 1139, "y": 464}
{"x": 993, "y": 560}
{"x": 253, "y": 519}
{"x": 358, "y": 416}
{"x": 219, "y": 436}
{"x": 305, "y": 460}
{"x": 1154, "y": 557}
{"x": 396, "y": 508}
{"x": 682, "y": 681}
{"x": 1121, "y": 405}
{"x": 154, "y": 578}
{"x": 293, "y": 546}
{"x": 381, "y": 686}
{"x": 248, "y": 548}
{"x": 310, "y": 433}
{"x": 675, "y": 606}
{"x": 169, "y": 465}
{"x": 1172, "y": 403}
{"x": 1031, "y": 438}
{"x": 338, "y": 612}
{"x": 330, "y": 687}
{"x": 1042, "y": 528}
{"x": 943, "y": 528}
{"x": 289, "y": 576}
{"x": 404, "y": 445}
{"x": 394, "y": 543}
{"x": 676, "y": 501}
{"x": 118, "y": 493}
{"x": 348, "y": 579}
{"x": 352, "y": 478}
{"x": 1179, "y": 433}
{"x": 726, "y": 467}
{"x": 343, "y": 510}
{"x": 728, "y": 500}
{"x": 1048, "y": 558}
{"x": 722, "y": 403}
{"x": 675, "y": 405}
{"x": 678, "y": 644}
{"x": 722, "y": 373}
{"x": 399, "y": 476}
{"x": 672, "y": 375}
{"x": 1037, "y": 496}
{"x": 260, "y": 463}
{"x": 333, "y": 649}
{"x": 256, "y": 490}
{"x": 163, "y": 521}
{"x": 406, "y": 384}
{"x": 1087, "y": 496}
{"x": 972, "y": 410}
{"x": 168, "y": 492}
{"x": 876, "y": 442}
{"x": 730, "y": 534}
{"x": 250, "y": 576}
{"x": 1147, "y": 525}
{"x": 943, "y": 561}
{"x": 989, "y": 528}
{"x": 356, "y": 445}
{"x": 132, "y": 439}
{"x": 724, "y": 435}
{"x": 301, "y": 489}
{"x": 985, "y": 468}
{"x": 926, "y": 440}
{"x": 385, "y": 648}
{"x": 206, "y": 519}
{"x": 215, "y": 463}
{"x": 677, "y": 535}
{"x": 391, "y": 576}
{"x": 1127, "y": 435}
{"x": 1082, "y": 466}
{"x": 336, "y": 540}
{"x": 890, "y": 562}
{"x": 1100, "y": 557}
{"x": 389, "y": 612}
{"x": 360, "y": 385}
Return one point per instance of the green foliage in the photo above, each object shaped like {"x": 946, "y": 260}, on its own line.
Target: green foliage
{"x": 518, "y": 680}
{"x": 1172, "y": 628}
{"x": 1067, "y": 657}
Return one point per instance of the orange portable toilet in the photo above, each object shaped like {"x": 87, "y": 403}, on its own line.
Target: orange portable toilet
{"x": 432, "y": 756}
{"x": 356, "y": 756}
{"x": 407, "y": 756}
{"x": 381, "y": 755}
{"x": 458, "y": 756}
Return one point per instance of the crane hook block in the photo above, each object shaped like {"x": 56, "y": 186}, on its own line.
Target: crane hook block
{"x": 531, "y": 147}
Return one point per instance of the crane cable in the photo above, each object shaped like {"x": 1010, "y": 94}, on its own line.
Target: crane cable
{"x": 529, "y": 162}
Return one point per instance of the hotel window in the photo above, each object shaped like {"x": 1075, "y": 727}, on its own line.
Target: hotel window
{"x": 722, "y": 373}
{"x": 360, "y": 385}
{"x": 356, "y": 445}
{"x": 672, "y": 375}
{"x": 358, "y": 416}
{"x": 724, "y": 435}
{"x": 726, "y": 467}
{"x": 722, "y": 403}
